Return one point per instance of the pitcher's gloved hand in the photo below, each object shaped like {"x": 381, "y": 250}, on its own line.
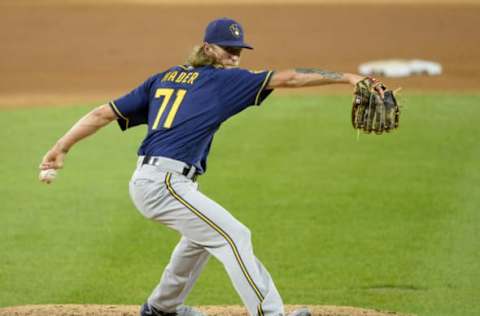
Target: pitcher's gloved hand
{"x": 375, "y": 107}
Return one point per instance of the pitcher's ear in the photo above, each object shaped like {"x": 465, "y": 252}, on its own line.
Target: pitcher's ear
{"x": 207, "y": 48}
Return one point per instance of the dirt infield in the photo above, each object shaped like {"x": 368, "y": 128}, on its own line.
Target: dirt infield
{"x": 132, "y": 310}
{"x": 60, "y": 53}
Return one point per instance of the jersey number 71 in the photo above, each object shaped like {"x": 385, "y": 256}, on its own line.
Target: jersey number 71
{"x": 167, "y": 93}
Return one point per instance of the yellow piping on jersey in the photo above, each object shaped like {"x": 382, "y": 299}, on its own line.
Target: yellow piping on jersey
{"x": 221, "y": 232}
{"x": 117, "y": 111}
{"x": 264, "y": 84}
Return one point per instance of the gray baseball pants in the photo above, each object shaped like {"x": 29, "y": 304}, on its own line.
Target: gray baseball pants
{"x": 161, "y": 193}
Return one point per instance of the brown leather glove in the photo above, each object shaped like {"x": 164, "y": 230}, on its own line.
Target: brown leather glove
{"x": 375, "y": 107}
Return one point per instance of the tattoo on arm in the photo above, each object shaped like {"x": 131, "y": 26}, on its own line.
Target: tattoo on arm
{"x": 330, "y": 75}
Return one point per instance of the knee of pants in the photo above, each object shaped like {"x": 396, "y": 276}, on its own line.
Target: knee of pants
{"x": 241, "y": 234}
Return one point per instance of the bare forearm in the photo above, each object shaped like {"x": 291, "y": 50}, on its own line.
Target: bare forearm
{"x": 314, "y": 77}
{"x": 307, "y": 77}
{"x": 85, "y": 127}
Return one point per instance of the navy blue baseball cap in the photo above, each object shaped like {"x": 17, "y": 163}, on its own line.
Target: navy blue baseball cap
{"x": 225, "y": 32}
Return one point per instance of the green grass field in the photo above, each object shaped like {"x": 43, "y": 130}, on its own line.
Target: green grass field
{"x": 388, "y": 222}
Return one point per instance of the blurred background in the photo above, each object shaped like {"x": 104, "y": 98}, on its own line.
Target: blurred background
{"x": 69, "y": 51}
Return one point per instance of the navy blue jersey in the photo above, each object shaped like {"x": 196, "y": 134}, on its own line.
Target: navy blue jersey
{"x": 185, "y": 106}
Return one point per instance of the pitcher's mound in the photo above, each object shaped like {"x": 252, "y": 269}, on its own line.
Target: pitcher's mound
{"x": 132, "y": 310}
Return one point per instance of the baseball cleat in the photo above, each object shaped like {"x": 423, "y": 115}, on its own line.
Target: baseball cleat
{"x": 182, "y": 310}
{"x": 148, "y": 310}
{"x": 301, "y": 312}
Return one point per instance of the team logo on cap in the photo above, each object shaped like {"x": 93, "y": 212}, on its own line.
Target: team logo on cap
{"x": 235, "y": 29}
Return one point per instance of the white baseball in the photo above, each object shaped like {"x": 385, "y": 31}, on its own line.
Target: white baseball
{"x": 48, "y": 175}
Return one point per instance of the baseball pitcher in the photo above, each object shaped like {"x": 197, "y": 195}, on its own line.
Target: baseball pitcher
{"x": 183, "y": 107}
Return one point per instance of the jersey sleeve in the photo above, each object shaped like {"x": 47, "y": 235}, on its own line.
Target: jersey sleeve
{"x": 132, "y": 108}
{"x": 240, "y": 88}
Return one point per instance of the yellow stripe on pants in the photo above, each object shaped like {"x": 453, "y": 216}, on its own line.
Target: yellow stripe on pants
{"x": 224, "y": 235}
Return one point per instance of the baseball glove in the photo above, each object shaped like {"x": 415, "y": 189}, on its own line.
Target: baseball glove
{"x": 371, "y": 111}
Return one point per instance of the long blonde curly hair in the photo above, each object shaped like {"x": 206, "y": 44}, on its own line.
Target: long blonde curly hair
{"x": 199, "y": 58}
